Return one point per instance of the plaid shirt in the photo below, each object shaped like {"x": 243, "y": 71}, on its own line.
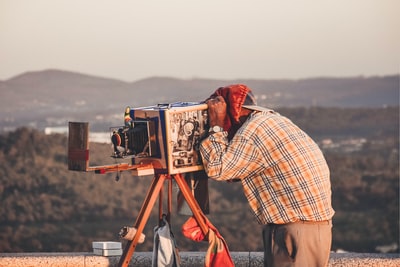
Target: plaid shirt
{"x": 283, "y": 172}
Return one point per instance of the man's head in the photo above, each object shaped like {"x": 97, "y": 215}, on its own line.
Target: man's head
{"x": 235, "y": 96}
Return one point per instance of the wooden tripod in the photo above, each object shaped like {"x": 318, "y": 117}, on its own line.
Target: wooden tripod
{"x": 155, "y": 191}
{"x": 78, "y": 160}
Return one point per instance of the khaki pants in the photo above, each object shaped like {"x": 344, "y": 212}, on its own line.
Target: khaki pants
{"x": 299, "y": 244}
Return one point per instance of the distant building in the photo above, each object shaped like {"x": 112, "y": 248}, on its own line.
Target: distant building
{"x": 96, "y": 137}
{"x": 56, "y": 130}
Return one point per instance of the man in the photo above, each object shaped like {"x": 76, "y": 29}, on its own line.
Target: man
{"x": 283, "y": 173}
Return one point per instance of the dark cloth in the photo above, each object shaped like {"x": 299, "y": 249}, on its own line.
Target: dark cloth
{"x": 198, "y": 183}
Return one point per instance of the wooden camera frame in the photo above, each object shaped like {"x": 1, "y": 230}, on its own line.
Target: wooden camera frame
{"x": 179, "y": 128}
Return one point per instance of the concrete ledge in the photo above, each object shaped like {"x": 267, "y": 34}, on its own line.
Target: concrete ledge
{"x": 188, "y": 259}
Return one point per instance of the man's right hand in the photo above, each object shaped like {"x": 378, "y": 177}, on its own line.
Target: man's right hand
{"x": 216, "y": 111}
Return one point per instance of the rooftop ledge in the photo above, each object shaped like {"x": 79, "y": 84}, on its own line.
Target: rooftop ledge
{"x": 192, "y": 259}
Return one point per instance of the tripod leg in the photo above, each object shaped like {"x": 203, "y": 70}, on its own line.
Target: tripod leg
{"x": 191, "y": 201}
{"x": 160, "y": 203}
{"x": 151, "y": 197}
{"x": 169, "y": 199}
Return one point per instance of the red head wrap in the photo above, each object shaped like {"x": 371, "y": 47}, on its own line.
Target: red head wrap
{"x": 235, "y": 96}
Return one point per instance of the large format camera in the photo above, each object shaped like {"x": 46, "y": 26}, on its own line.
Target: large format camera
{"x": 167, "y": 135}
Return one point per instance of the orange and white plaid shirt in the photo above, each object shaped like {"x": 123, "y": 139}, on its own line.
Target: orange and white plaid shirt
{"x": 283, "y": 172}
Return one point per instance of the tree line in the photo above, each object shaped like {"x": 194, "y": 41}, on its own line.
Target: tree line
{"x": 45, "y": 207}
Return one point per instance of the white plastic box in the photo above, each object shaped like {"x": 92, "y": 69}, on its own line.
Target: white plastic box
{"x": 107, "y": 248}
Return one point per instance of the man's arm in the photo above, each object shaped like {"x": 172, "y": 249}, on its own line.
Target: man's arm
{"x": 237, "y": 159}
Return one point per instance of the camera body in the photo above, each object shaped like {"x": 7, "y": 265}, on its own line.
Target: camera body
{"x": 166, "y": 135}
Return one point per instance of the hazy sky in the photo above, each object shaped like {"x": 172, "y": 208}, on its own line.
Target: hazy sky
{"x": 223, "y": 39}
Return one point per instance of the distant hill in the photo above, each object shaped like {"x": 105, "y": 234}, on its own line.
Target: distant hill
{"x": 53, "y": 97}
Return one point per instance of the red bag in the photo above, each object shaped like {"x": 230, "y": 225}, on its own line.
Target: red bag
{"x": 218, "y": 252}
{"x": 191, "y": 230}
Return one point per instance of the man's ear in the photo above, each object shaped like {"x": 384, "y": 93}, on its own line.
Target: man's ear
{"x": 244, "y": 113}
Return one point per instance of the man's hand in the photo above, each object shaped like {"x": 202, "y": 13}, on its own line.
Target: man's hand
{"x": 216, "y": 111}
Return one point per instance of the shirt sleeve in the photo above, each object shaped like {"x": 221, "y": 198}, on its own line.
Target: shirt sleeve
{"x": 225, "y": 160}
